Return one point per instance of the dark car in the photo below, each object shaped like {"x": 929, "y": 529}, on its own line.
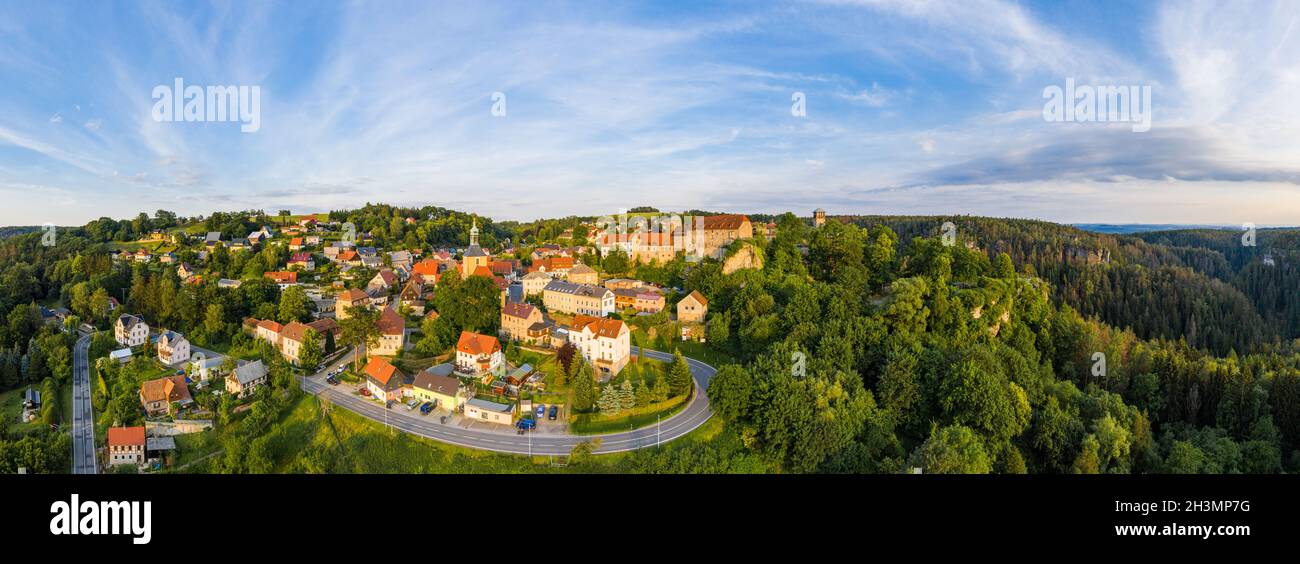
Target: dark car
{"x": 332, "y": 380}
{"x": 555, "y": 412}
{"x": 426, "y": 408}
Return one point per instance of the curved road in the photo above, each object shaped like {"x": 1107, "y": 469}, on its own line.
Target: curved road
{"x": 505, "y": 439}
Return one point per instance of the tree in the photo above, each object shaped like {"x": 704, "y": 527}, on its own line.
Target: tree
{"x": 360, "y": 330}
{"x": 730, "y": 391}
{"x": 295, "y": 305}
{"x": 609, "y": 400}
{"x": 679, "y": 376}
{"x": 312, "y": 350}
{"x": 626, "y": 396}
{"x": 643, "y": 394}
{"x": 214, "y": 322}
{"x": 952, "y": 450}
{"x": 583, "y": 387}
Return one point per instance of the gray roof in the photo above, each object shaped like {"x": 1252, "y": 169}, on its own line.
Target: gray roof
{"x": 213, "y": 236}
{"x": 475, "y": 251}
{"x": 250, "y": 372}
{"x": 577, "y": 289}
{"x": 160, "y": 443}
{"x": 490, "y": 405}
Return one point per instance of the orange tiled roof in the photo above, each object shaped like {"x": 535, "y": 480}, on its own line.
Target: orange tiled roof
{"x": 726, "y": 221}
{"x": 125, "y": 436}
{"x": 391, "y": 322}
{"x": 476, "y": 344}
{"x": 381, "y": 370}
{"x": 600, "y": 326}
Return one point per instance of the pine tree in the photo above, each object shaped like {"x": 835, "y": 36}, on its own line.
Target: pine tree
{"x": 609, "y": 403}
{"x": 643, "y": 394}
{"x": 584, "y": 388}
{"x": 659, "y": 392}
{"x": 679, "y": 376}
{"x": 626, "y": 397}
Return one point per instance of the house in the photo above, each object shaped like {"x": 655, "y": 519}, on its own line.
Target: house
{"x": 384, "y": 281}
{"x": 558, "y": 266}
{"x": 516, "y": 318}
{"x": 478, "y": 409}
{"x": 477, "y": 354}
{"x": 605, "y": 343}
{"x": 184, "y": 271}
{"x": 302, "y": 260}
{"x": 534, "y": 282}
{"x": 412, "y": 296}
{"x": 122, "y": 355}
{"x": 349, "y": 299}
{"x": 31, "y": 398}
{"x": 173, "y": 348}
{"x": 282, "y": 278}
{"x": 617, "y": 284}
{"x": 582, "y": 274}
{"x": 212, "y": 238}
{"x": 427, "y": 271}
{"x": 392, "y": 333}
{"x": 269, "y": 330}
{"x": 126, "y": 445}
{"x": 130, "y": 331}
{"x": 436, "y": 384}
{"x": 294, "y": 335}
{"x": 383, "y": 379}
{"x": 295, "y": 244}
{"x": 349, "y": 257}
{"x": 158, "y": 395}
{"x": 246, "y": 378}
{"x": 228, "y": 283}
{"x": 506, "y": 268}
{"x": 645, "y": 298}
{"x": 693, "y": 308}
{"x": 586, "y": 299}
{"x": 204, "y": 368}
{"x": 400, "y": 259}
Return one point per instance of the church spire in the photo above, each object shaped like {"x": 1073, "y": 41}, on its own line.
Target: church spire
{"x": 473, "y": 233}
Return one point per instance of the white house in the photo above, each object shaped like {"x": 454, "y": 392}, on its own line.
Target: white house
{"x": 173, "y": 348}
{"x": 130, "y": 331}
{"x": 604, "y": 342}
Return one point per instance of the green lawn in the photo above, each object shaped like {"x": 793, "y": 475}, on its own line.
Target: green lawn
{"x": 11, "y": 408}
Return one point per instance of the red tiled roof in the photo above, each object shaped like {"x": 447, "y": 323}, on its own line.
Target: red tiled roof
{"x": 391, "y": 322}
{"x": 600, "y": 326}
{"x": 283, "y": 277}
{"x": 125, "y": 436}
{"x": 271, "y": 325}
{"x": 726, "y": 221}
{"x": 382, "y": 371}
{"x": 518, "y": 309}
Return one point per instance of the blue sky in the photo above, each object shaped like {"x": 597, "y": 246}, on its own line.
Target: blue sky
{"x": 912, "y": 107}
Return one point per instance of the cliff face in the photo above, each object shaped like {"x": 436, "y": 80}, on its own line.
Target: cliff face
{"x": 747, "y": 257}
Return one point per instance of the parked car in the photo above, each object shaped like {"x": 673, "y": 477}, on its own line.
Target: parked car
{"x": 541, "y": 410}
{"x": 388, "y": 404}
{"x": 365, "y": 392}
{"x": 526, "y": 424}
{"x": 555, "y": 411}
{"x": 414, "y": 403}
{"x": 426, "y": 408}
{"x": 332, "y": 380}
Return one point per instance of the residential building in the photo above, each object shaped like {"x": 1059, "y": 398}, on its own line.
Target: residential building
{"x": 158, "y": 395}
{"x": 428, "y": 271}
{"x": 173, "y": 348}
{"x": 567, "y": 297}
{"x": 349, "y": 299}
{"x": 438, "y": 385}
{"x": 283, "y": 279}
{"x": 303, "y": 261}
{"x": 478, "y": 409}
{"x": 516, "y": 318}
{"x": 477, "y": 354}
{"x": 582, "y": 274}
{"x": 184, "y": 271}
{"x": 384, "y": 281}
{"x": 604, "y": 342}
{"x": 246, "y": 378}
{"x": 383, "y": 379}
{"x": 534, "y": 282}
{"x": 126, "y": 445}
{"x": 294, "y": 335}
{"x": 392, "y": 333}
{"x": 554, "y": 265}
{"x": 412, "y": 296}
{"x": 644, "y": 299}
{"x": 693, "y": 308}
{"x": 130, "y": 331}
{"x": 269, "y": 330}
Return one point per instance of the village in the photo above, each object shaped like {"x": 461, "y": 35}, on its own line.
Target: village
{"x": 568, "y": 353}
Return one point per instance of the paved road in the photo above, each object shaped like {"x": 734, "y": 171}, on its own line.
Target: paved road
{"x": 506, "y": 440}
{"x": 83, "y": 417}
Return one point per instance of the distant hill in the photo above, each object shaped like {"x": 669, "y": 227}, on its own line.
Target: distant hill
{"x": 1126, "y": 228}
{"x": 6, "y": 232}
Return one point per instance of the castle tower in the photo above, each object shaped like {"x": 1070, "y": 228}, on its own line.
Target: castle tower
{"x": 819, "y": 217}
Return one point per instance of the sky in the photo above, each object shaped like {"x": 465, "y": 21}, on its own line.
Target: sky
{"x": 920, "y": 107}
